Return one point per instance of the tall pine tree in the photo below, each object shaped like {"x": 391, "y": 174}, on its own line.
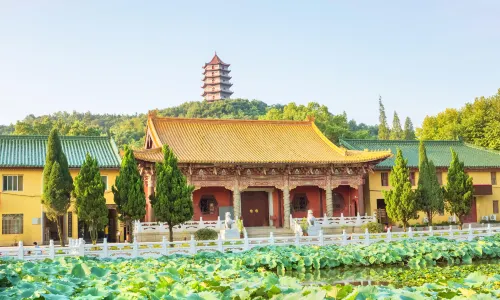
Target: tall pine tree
{"x": 128, "y": 192}
{"x": 400, "y": 199}
{"x": 429, "y": 193}
{"x": 459, "y": 191}
{"x": 409, "y": 131}
{"x": 383, "y": 127}
{"x": 396, "y": 131}
{"x": 57, "y": 183}
{"x": 172, "y": 200}
{"x": 90, "y": 203}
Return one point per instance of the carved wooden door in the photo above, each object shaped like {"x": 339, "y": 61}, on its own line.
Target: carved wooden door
{"x": 255, "y": 209}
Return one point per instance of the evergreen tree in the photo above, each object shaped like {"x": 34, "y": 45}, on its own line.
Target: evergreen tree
{"x": 90, "y": 203}
{"x": 459, "y": 190}
{"x": 409, "y": 132}
{"x": 383, "y": 127}
{"x": 429, "y": 193}
{"x": 400, "y": 199}
{"x": 57, "y": 183}
{"x": 396, "y": 131}
{"x": 172, "y": 201}
{"x": 128, "y": 191}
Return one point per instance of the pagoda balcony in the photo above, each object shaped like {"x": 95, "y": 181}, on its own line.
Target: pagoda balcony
{"x": 216, "y": 75}
{"x": 209, "y": 84}
{"x": 217, "y": 91}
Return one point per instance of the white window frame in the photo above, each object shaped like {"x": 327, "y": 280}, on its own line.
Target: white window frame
{"x": 107, "y": 185}
{"x": 4, "y": 228}
{"x": 5, "y": 188}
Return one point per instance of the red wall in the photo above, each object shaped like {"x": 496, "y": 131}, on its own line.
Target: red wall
{"x": 313, "y": 196}
{"x": 222, "y": 196}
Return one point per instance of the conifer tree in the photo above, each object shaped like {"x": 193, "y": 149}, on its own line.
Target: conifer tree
{"x": 57, "y": 183}
{"x": 409, "y": 131}
{"x": 429, "y": 193}
{"x": 172, "y": 202}
{"x": 400, "y": 199}
{"x": 396, "y": 131}
{"x": 90, "y": 203}
{"x": 383, "y": 127}
{"x": 459, "y": 191}
{"x": 128, "y": 191}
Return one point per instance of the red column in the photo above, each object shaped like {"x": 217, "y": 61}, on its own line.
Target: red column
{"x": 361, "y": 201}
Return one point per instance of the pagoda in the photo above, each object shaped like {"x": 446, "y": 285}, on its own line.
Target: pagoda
{"x": 216, "y": 85}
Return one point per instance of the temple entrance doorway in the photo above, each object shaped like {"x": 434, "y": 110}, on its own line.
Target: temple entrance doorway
{"x": 255, "y": 209}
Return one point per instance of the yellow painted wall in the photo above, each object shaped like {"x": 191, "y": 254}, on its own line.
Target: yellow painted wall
{"x": 28, "y": 203}
{"x": 484, "y": 204}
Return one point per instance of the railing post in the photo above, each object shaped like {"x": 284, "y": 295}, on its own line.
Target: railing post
{"x": 490, "y": 232}
{"x": 271, "y": 238}
{"x": 389, "y": 235}
{"x": 321, "y": 238}
{"x": 367, "y": 237}
{"x": 105, "y": 247}
{"x": 410, "y": 233}
{"x": 135, "y": 249}
{"x": 164, "y": 247}
{"x": 81, "y": 247}
{"x": 342, "y": 221}
{"x": 471, "y": 234}
{"x": 219, "y": 243}
{"x": 192, "y": 245}
{"x": 431, "y": 232}
{"x": 218, "y": 225}
{"x": 201, "y": 225}
{"x": 450, "y": 231}
{"x": 358, "y": 220}
{"x": 20, "y": 251}
{"x": 245, "y": 240}
{"x": 344, "y": 238}
{"x": 52, "y": 251}
{"x": 297, "y": 239}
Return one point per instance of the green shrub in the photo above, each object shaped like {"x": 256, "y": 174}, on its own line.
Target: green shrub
{"x": 373, "y": 227}
{"x": 205, "y": 234}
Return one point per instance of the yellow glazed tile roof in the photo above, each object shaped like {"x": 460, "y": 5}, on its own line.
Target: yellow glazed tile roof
{"x": 247, "y": 141}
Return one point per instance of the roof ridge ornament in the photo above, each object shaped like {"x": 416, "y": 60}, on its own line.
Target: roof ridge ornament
{"x": 310, "y": 118}
{"x": 153, "y": 113}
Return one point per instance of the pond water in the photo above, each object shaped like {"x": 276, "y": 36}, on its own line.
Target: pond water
{"x": 394, "y": 275}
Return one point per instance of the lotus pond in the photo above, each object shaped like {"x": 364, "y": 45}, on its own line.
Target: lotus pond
{"x": 261, "y": 274}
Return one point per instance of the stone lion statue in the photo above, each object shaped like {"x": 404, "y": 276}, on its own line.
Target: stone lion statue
{"x": 310, "y": 218}
{"x": 228, "y": 222}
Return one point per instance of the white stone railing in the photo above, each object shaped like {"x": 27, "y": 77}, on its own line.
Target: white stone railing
{"x": 334, "y": 222}
{"x": 189, "y": 226}
{"x": 157, "y": 249}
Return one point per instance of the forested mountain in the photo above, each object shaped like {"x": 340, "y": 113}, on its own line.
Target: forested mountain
{"x": 477, "y": 123}
{"x": 130, "y": 129}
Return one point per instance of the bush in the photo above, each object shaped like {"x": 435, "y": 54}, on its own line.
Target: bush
{"x": 373, "y": 227}
{"x": 205, "y": 234}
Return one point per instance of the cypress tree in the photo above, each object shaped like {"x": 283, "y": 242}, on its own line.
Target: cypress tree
{"x": 172, "y": 200}
{"x": 383, "y": 127}
{"x": 400, "y": 199}
{"x": 57, "y": 183}
{"x": 128, "y": 191}
{"x": 396, "y": 131}
{"x": 90, "y": 203}
{"x": 409, "y": 132}
{"x": 429, "y": 193}
{"x": 459, "y": 191}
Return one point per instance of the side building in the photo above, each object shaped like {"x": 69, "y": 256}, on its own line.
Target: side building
{"x": 481, "y": 164}
{"x": 22, "y": 159}
{"x": 261, "y": 171}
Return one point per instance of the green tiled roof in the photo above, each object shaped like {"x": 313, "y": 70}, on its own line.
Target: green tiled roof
{"x": 438, "y": 151}
{"x": 29, "y": 151}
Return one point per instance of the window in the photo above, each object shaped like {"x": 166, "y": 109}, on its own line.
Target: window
{"x": 12, "y": 183}
{"x": 384, "y": 178}
{"x": 338, "y": 202}
{"x": 439, "y": 176}
{"x": 70, "y": 224}
{"x": 149, "y": 142}
{"x": 212, "y": 73}
{"x": 213, "y": 67}
{"x": 412, "y": 178}
{"x": 12, "y": 224}
{"x": 495, "y": 206}
{"x": 493, "y": 178}
{"x": 300, "y": 202}
{"x": 208, "y": 205}
{"x": 104, "y": 179}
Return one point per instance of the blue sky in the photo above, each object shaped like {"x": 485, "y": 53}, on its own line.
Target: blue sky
{"x": 132, "y": 56}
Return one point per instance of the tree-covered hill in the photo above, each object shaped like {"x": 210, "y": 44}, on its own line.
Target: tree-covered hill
{"x": 130, "y": 129}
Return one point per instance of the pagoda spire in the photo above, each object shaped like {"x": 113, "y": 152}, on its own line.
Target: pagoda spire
{"x": 216, "y": 85}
